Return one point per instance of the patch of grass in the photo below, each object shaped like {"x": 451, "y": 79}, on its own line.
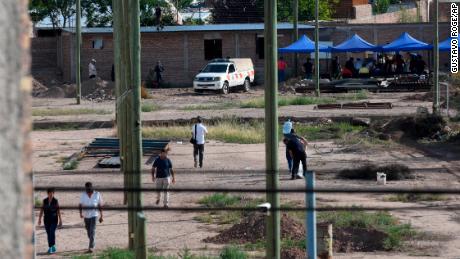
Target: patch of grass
{"x": 149, "y": 107}
{"x": 116, "y": 253}
{"x": 225, "y": 131}
{"x": 369, "y": 172}
{"x": 216, "y": 106}
{"x": 287, "y": 101}
{"x": 328, "y": 131}
{"x": 383, "y": 221}
{"x": 68, "y": 112}
{"x": 48, "y": 154}
{"x": 219, "y": 200}
{"x": 71, "y": 165}
{"x": 253, "y": 132}
{"x": 415, "y": 197}
{"x": 233, "y": 252}
{"x": 82, "y": 257}
{"x": 38, "y": 202}
{"x": 224, "y": 200}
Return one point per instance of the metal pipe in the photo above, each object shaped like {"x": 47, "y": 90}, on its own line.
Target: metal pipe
{"x": 78, "y": 51}
{"x": 271, "y": 128}
{"x": 317, "y": 48}
{"x": 436, "y": 100}
{"x": 296, "y": 34}
{"x": 310, "y": 200}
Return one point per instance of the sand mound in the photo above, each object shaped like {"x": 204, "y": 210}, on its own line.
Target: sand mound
{"x": 293, "y": 253}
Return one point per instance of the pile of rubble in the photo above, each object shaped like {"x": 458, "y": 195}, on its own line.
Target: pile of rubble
{"x": 97, "y": 90}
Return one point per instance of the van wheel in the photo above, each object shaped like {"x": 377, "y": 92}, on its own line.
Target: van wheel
{"x": 247, "y": 85}
{"x": 225, "y": 88}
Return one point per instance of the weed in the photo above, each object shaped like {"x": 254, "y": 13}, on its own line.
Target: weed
{"x": 38, "y": 202}
{"x": 416, "y": 197}
{"x": 219, "y": 200}
{"x": 48, "y": 154}
{"x": 71, "y": 165}
{"x": 116, "y": 253}
{"x": 232, "y": 252}
{"x": 217, "y": 106}
{"x": 149, "y": 107}
{"x": 287, "y": 101}
{"x": 68, "y": 112}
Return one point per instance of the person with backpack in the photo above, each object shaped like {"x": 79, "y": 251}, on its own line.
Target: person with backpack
{"x": 199, "y": 132}
{"x": 163, "y": 175}
{"x": 52, "y": 219}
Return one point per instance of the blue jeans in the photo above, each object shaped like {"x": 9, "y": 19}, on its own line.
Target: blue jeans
{"x": 281, "y": 76}
{"x": 51, "y": 233}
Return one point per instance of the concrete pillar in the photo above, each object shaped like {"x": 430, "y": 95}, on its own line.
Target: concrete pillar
{"x": 16, "y": 228}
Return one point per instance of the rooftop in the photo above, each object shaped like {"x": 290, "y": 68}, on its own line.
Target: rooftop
{"x": 192, "y": 28}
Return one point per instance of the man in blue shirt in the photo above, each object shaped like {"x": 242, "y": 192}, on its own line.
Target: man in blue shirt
{"x": 163, "y": 175}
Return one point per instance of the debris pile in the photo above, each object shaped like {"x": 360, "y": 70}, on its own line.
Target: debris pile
{"x": 252, "y": 229}
{"x": 97, "y": 90}
{"x": 38, "y": 88}
{"x": 369, "y": 172}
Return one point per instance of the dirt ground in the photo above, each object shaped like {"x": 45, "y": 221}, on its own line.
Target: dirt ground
{"x": 175, "y": 105}
{"x": 169, "y": 231}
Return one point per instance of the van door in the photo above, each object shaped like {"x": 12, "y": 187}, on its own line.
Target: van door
{"x": 233, "y": 75}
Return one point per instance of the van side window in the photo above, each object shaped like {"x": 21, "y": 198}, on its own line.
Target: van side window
{"x": 231, "y": 69}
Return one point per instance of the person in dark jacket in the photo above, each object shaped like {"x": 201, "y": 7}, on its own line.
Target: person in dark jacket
{"x": 52, "y": 220}
{"x": 296, "y": 147}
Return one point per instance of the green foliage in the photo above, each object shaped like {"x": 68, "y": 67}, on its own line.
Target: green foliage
{"x": 232, "y": 252}
{"x": 219, "y": 200}
{"x": 72, "y": 165}
{"x": 149, "y": 107}
{"x": 58, "y": 11}
{"x": 116, "y": 253}
{"x": 306, "y": 10}
{"x": 381, "y": 6}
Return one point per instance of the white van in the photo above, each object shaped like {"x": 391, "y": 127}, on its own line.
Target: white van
{"x": 223, "y": 74}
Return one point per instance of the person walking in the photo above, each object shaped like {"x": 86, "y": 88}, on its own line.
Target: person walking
{"x": 199, "y": 132}
{"x": 52, "y": 220}
{"x": 163, "y": 175}
{"x": 296, "y": 147}
{"x": 92, "y": 71}
{"x": 90, "y": 208}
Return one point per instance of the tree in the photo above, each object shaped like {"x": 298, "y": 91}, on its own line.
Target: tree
{"x": 58, "y": 11}
{"x": 98, "y": 13}
{"x": 244, "y": 11}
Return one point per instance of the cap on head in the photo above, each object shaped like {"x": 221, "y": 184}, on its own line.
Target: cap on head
{"x": 93, "y": 60}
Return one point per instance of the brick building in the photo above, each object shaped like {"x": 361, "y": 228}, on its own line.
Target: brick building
{"x": 184, "y": 50}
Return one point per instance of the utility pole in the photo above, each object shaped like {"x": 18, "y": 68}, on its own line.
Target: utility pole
{"x": 296, "y": 34}
{"x": 271, "y": 129}
{"x": 78, "y": 51}
{"x": 317, "y": 48}
{"x": 128, "y": 82}
{"x": 436, "y": 108}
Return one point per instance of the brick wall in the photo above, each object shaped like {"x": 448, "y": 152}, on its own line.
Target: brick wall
{"x": 364, "y": 15}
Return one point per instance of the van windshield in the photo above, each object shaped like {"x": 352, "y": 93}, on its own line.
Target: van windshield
{"x": 215, "y": 68}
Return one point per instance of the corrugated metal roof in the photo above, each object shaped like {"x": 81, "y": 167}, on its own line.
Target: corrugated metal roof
{"x": 191, "y": 28}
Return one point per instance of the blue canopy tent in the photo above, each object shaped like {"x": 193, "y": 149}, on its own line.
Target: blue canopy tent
{"x": 354, "y": 44}
{"x": 405, "y": 42}
{"x": 303, "y": 45}
{"x": 445, "y": 45}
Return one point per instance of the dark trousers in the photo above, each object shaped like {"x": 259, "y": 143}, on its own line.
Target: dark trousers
{"x": 296, "y": 162}
{"x": 198, "y": 150}
{"x": 289, "y": 160}
{"x": 90, "y": 225}
{"x": 51, "y": 233}
{"x": 92, "y": 76}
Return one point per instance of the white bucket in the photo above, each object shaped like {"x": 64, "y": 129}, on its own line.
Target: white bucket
{"x": 381, "y": 178}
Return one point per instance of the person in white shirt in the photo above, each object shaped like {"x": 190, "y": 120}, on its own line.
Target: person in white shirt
{"x": 199, "y": 131}
{"x": 89, "y": 201}
{"x": 92, "y": 69}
